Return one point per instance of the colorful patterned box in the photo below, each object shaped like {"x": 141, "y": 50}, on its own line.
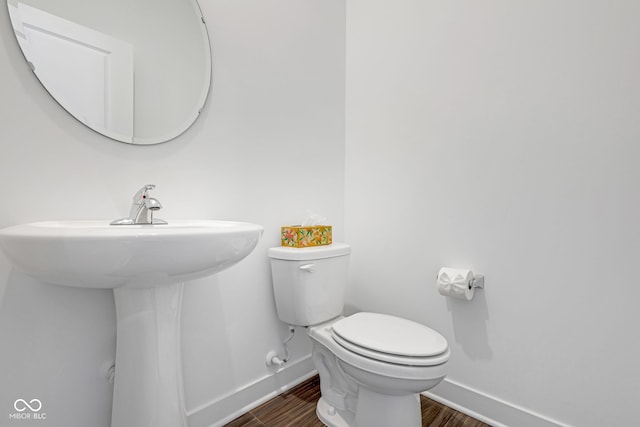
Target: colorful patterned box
{"x": 297, "y": 236}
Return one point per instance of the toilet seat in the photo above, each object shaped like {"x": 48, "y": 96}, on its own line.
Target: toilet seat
{"x": 390, "y": 339}
{"x": 324, "y": 335}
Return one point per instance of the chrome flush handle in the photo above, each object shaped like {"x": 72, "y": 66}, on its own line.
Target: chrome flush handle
{"x": 309, "y": 268}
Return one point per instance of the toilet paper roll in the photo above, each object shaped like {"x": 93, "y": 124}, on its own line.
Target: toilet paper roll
{"x": 456, "y": 283}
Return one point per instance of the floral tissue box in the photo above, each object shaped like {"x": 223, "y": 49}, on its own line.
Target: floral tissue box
{"x": 297, "y": 236}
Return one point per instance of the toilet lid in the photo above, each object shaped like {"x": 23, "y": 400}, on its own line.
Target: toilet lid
{"x": 372, "y": 333}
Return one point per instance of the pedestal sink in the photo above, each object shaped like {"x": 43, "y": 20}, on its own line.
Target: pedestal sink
{"x": 146, "y": 266}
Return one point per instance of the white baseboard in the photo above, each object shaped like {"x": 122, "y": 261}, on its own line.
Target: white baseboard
{"x": 477, "y": 404}
{"x": 224, "y": 409}
{"x": 488, "y": 409}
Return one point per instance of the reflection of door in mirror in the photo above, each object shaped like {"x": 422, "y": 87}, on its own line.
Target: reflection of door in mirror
{"x": 98, "y": 88}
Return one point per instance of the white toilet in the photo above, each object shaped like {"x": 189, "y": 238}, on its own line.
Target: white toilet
{"x": 372, "y": 366}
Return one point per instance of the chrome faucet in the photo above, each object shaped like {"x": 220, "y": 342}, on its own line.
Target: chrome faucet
{"x": 142, "y": 209}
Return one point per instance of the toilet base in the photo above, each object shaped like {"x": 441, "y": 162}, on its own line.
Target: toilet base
{"x": 375, "y": 410}
{"x": 330, "y": 416}
{"x": 382, "y": 410}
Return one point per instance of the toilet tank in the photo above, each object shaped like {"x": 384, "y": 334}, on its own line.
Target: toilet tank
{"x": 309, "y": 283}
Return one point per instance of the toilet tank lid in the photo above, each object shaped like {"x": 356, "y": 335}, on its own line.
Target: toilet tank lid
{"x": 315, "y": 252}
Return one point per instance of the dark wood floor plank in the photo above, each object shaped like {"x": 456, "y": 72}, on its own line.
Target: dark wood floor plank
{"x": 246, "y": 420}
{"x": 297, "y": 408}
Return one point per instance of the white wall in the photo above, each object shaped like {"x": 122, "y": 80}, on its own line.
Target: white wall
{"x": 503, "y": 136}
{"x": 268, "y": 146}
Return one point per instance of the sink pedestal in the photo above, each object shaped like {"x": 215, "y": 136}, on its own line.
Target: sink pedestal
{"x": 148, "y": 389}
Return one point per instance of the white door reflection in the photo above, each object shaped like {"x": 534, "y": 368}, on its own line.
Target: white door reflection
{"x": 90, "y": 73}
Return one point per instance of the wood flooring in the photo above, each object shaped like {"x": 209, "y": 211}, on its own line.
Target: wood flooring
{"x": 297, "y": 408}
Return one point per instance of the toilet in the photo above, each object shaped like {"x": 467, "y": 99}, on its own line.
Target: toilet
{"x": 372, "y": 366}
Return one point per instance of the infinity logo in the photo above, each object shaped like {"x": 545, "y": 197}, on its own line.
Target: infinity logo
{"x": 21, "y": 405}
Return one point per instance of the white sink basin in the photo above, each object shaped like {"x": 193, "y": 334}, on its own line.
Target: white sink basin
{"x": 145, "y": 265}
{"x": 94, "y": 254}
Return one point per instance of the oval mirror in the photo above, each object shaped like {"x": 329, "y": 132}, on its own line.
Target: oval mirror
{"x": 137, "y": 71}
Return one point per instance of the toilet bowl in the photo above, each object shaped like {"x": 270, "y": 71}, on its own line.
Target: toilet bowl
{"x": 371, "y": 365}
{"x": 384, "y": 386}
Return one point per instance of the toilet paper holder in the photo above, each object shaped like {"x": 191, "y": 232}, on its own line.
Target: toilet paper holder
{"x": 477, "y": 281}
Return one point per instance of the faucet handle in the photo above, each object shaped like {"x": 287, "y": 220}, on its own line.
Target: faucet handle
{"x": 142, "y": 209}
{"x": 142, "y": 193}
